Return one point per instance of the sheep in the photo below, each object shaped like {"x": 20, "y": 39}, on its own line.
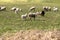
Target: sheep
{"x": 13, "y": 8}
{"x": 24, "y": 16}
{"x": 32, "y": 15}
{"x": 55, "y": 9}
{"x": 16, "y": 11}
{"x": 2, "y": 8}
{"x": 45, "y": 8}
{"x": 49, "y": 8}
{"x": 43, "y": 13}
{"x": 32, "y": 8}
{"x": 38, "y": 13}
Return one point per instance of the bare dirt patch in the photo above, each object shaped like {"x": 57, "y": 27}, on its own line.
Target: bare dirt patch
{"x": 32, "y": 35}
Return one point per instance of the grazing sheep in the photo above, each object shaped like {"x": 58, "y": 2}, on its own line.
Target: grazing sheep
{"x": 55, "y": 9}
{"x": 24, "y": 16}
{"x": 42, "y": 13}
{"x": 13, "y": 8}
{"x": 32, "y": 8}
{"x": 38, "y": 13}
{"x": 45, "y": 8}
{"x": 16, "y": 11}
{"x": 49, "y": 8}
{"x": 32, "y": 15}
{"x": 2, "y": 8}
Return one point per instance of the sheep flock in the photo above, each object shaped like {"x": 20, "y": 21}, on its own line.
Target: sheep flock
{"x": 31, "y": 14}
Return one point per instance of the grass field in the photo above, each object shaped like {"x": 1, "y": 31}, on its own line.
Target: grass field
{"x": 11, "y": 22}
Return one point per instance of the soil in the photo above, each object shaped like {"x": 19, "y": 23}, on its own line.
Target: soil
{"x": 32, "y": 35}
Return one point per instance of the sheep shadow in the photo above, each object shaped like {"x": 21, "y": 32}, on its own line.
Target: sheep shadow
{"x": 34, "y": 20}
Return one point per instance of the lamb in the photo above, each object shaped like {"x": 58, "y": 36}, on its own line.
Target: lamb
{"x": 55, "y": 9}
{"x": 24, "y": 16}
{"x": 32, "y": 8}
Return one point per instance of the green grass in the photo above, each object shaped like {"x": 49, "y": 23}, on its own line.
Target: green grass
{"x": 11, "y": 22}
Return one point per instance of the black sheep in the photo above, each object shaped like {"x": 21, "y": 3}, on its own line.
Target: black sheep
{"x": 42, "y": 13}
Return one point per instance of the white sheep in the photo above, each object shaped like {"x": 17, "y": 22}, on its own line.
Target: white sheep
{"x": 49, "y": 8}
{"x": 55, "y": 9}
{"x": 46, "y": 7}
{"x": 24, "y": 16}
{"x": 38, "y": 13}
{"x": 13, "y": 8}
{"x": 2, "y": 8}
{"x": 42, "y": 13}
{"x": 16, "y": 11}
{"x": 32, "y": 8}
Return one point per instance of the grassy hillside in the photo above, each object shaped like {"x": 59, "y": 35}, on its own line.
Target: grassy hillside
{"x": 11, "y": 22}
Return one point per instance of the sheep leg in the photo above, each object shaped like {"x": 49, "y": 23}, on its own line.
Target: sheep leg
{"x": 30, "y": 18}
{"x": 34, "y": 18}
{"x": 34, "y": 9}
{"x": 16, "y": 12}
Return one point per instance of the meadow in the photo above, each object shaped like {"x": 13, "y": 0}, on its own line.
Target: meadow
{"x": 11, "y": 22}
